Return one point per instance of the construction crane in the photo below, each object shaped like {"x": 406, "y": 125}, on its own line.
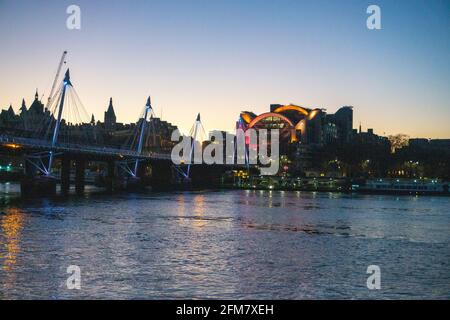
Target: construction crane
{"x": 52, "y": 91}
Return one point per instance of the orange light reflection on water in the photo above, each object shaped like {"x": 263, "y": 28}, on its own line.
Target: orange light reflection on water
{"x": 199, "y": 211}
{"x": 12, "y": 225}
{"x": 193, "y": 215}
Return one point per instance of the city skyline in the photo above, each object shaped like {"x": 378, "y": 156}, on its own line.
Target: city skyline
{"x": 222, "y": 58}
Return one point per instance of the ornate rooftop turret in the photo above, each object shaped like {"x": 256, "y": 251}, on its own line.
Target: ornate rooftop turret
{"x": 37, "y": 106}
{"x": 23, "y": 108}
{"x": 11, "y": 110}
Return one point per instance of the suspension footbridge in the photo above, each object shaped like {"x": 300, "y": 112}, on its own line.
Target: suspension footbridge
{"x": 59, "y": 141}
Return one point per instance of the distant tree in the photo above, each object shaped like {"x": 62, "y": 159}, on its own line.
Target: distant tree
{"x": 398, "y": 141}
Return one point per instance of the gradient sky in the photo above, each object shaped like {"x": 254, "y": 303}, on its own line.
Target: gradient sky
{"x": 219, "y": 57}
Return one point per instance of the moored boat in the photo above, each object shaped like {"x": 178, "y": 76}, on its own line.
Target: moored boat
{"x": 403, "y": 186}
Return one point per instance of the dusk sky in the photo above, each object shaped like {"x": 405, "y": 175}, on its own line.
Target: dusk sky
{"x": 219, "y": 57}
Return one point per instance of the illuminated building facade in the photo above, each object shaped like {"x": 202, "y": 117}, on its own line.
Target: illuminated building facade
{"x": 304, "y": 132}
{"x": 302, "y": 125}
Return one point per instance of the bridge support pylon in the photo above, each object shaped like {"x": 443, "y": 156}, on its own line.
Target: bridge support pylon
{"x": 110, "y": 176}
{"x": 65, "y": 175}
{"x": 80, "y": 165}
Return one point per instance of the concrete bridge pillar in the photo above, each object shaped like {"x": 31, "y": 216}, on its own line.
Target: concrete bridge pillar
{"x": 36, "y": 185}
{"x": 65, "y": 174}
{"x": 80, "y": 165}
{"x": 110, "y": 175}
{"x": 30, "y": 170}
{"x": 141, "y": 171}
{"x": 143, "y": 175}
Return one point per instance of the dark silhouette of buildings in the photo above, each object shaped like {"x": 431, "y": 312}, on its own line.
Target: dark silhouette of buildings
{"x": 312, "y": 141}
{"x": 110, "y": 117}
{"x": 343, "y": 120}
{"x": 316, "y": 143}
{"x": 38, "y": 122}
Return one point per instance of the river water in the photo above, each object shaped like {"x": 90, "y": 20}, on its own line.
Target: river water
{"x": 231, "y": 244}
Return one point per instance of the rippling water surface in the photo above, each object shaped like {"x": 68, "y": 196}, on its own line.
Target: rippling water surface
{"x": 227, "y": 244}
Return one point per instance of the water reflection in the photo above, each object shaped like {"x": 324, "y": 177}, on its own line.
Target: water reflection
{"x": 192, "y": 212}
{"x": 12, "y": 224}
{"x": 231, "y": 244}
{"x": 199, "y": 211}
{"x": 181, "y": 204}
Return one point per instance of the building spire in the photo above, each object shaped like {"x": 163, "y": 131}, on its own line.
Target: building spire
{"x": 11, "y": 110}
{"x": 110, "y": 106}
{"x": 110, "y": 116}
{"x": 23, "y": 108}
{"x": 36, "y": 96}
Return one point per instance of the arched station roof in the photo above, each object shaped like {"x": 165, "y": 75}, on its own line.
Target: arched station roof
{"x": 269, "y": 115}
{"x": 292, "y": 107}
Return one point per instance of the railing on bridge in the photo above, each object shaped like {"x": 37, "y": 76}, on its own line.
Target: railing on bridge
{"x": 78, "y": 148}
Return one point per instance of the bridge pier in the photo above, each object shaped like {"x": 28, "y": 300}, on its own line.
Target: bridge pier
{"x": 36, "y": 185}
{"x": 141, "y": 181}
{"x": 65, "y": 174}
{"x": 141, "y": 169}
{"x": 30, "y": 170}
{"x": 80, "y": 165}
{"x": 110, "y": 175}
{"x": 127, "y": 181}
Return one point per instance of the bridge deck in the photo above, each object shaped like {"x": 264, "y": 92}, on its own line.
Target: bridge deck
{"x": 80, "y": 149}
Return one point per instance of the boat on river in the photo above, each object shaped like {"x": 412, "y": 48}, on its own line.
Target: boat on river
{"x": 403, "y": 186}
